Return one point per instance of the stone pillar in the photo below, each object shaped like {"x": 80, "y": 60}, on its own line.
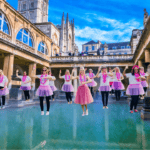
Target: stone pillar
{"x": 8, "y": 66}
{"x": 32, "y": 72}
{"x": 75, "y": 82}
{"x": 140, "y": 63}
{"x": 147, "y": 55}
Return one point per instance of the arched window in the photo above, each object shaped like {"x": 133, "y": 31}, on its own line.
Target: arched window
{"x": 42, "y": 48}
{"x": 25, "y": 37}
{"x": 4, "y": 25}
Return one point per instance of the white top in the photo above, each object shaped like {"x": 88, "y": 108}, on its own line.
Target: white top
{"x": 27, "y": 79}
{"x": 111, "y": 78}
{"x": 82, "y": 80}
{"x": 107, "y": 80}
{"x": 87, "y": 74}
{"x": 132, "y": 79}
{"x": 65, "y": 79}
{"x": 51, "y": 83}
{"x": 4, "y": 81}
{"x": 47, "y": 82}
{"x": 145, "y": 75}
{"x": 115, "y": 77}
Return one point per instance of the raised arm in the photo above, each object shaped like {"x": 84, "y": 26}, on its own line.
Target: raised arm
{"x": 99, "y": 69}
{"x": 60, "y": 77}
{"x": 89, "y": 80}
{"x": 124, "y": 72}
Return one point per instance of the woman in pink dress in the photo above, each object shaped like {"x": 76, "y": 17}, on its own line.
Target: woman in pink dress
{"x": 135, "y": 88}
{"x": 25, "y": 84}
{"x": 104, "y": 84}
{"x": 44, "y": 89}
{"x": 117, "y": 84}
{"x": 3, "y": 88}
{"x": 83, "y": 95}
{"x": 91, "y": 75}
{"x": 67, "y": 86}
{"x": 143, "y": 81}
{"x": 52, "y": 84}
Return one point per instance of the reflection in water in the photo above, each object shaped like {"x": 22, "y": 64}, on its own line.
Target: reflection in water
{"x": 74, "y": 123}
{"x": 143, "y": 137}
{"x": 106, "y": 125}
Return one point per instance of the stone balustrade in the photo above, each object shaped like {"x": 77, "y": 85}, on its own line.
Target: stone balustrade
{"x": 5, "y": 36}
{"x": 107, "y": 58}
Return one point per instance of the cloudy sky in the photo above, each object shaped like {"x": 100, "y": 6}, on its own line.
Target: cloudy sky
{"x": 105, "y": 20}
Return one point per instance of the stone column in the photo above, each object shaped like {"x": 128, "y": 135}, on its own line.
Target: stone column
{"x": 8, "y": 66}
{"x": 147, "y": 55}
{"x": 140, "y": 63}
{"x": 75, "y": 82}
{"x": 32, "y": 72}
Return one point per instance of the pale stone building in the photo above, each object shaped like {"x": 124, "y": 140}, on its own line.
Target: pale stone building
{"x": 97, "y": 48}
{"x": 62, "y": 35}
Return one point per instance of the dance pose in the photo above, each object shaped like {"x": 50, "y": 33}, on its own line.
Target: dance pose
{"x": 52, "y": 85}
{"x": 104, "y": 85}
{"x": 135, "y": 88}
{"x": 25, "y": 84}
{"x": 83, "y": 95}
{"x": 91, "y": 75}
{"x": 111, "y": 80}
{"x": 3, "y": 88}
{"x": 143, "y": 81}
{"x": 44, "y": 89}
{"x": 117, "y": 84}
{"x": 67, "y": 87}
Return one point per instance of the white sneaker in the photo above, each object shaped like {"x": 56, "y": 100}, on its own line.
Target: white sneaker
{"x": 47, "y": 113}
{"x": 3, "y": 107}
{"x": 42, "y": 113}
{"x": 83, "y": 114}
{"x": 87, "y": 112}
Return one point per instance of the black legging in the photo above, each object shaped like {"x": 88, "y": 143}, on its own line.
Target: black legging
{"x": 145, "y": 89}
{"x": 134, "y": 101}
{"x": 27, "y": 95}
{"x": 91, "y": 89}
{"x": 117, "y": 94}
{"x": 47, "y": 102}
{"x": 105, "y": 98}
{"x": 68, "y": 96}
{"x": 52, "y": 97}
{"x": 3, "y": 100}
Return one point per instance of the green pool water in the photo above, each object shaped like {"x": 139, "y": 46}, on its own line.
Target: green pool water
{"x": 65, "y": 128}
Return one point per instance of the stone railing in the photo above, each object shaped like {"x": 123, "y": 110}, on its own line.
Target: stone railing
{"x": 5, "y": 36}
{"x": 24, "y": 46}
{"x": 106, "y": 58}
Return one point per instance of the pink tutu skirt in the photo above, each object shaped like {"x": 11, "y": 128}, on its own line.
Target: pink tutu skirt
{"x": 44, "y": 91}
{"x": 53, "y": 88}
{"x": 83, "y": 95}
{"x": 92, "y": 84}
{"x": 25, "y": 88}
{"x": 104, "y": 88}
{"x": 135, "y": 89}
{"x": 117, "y": 86}
{"x": 4, "y": 92}
{"x": 144, "y": 84}
{"x": 67, "y": 88}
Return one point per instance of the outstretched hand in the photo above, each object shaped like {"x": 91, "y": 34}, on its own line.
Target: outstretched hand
{"x": 126, "y": 67}
{"x": 60, "y": 71}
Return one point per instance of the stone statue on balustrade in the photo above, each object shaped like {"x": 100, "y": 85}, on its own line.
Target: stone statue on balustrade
{"x": 145, "y": 17}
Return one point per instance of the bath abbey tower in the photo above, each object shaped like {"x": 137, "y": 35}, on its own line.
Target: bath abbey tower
{"x": 36, "y": 11}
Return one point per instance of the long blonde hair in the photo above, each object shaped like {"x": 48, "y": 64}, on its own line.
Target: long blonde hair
{"x": 45, "y": 69}
{"x": 118, "y": 69}
{"x": 66, "y": 71}
{"x": 103, "y": 68}
{"x": 1, "y": 72}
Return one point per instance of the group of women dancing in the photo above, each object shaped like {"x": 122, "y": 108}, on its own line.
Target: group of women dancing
{"x": 109, "y": 80}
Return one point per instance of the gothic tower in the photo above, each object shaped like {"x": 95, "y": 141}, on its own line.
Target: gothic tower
{"x": 67, "y": 33}
{"x": 62, "y": 34}
{"x": 73, "y": 36}
{"x": 34, "y": 10}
